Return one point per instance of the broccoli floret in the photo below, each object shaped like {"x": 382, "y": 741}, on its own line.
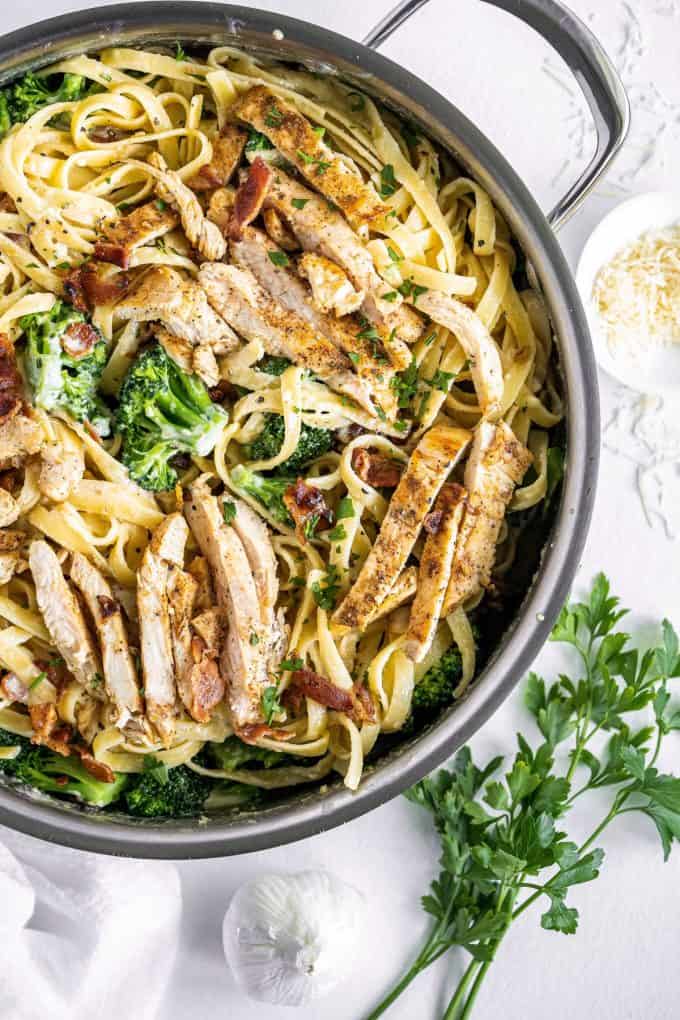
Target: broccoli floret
{"x": 31, "y": 93}
{"x": 313, "y": 443}
{"x": 44, "y": 770}
{"x": 435, "y": 690}
{"x": 164, "y": 411}
{"x": 266, "y": 490}
{"x": 160, "y": 792}
{"x": 257, "y": 142}
{"x": 5, "y": 119}
{"x": 234, "y": 754}
{"x": 58, "y": 380}
{"x": 227, "y": 794}
{"x": 272, "y": 365}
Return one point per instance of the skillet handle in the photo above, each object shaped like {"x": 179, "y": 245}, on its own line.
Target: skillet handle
{"x": 592, "y": 68}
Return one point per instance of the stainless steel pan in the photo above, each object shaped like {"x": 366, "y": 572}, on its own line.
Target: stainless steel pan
{"x": 302, "y": 813}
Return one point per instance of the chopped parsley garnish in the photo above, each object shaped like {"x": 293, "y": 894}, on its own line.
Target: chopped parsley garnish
{"x": 228, "y": 511}
{"x": 254, "y": 639}
{"x": 310, "y": 525}
{"x": 357, "y": 101}
{"x": 337, "y": 534}
{"x": 345, "y": 508}
{"x": 410, "y": 289}
{"x": 38, "y": 680}
{"x": 290, "y": 665}
{"x": 161, "y": 205}
{"x": 279, "y": 258}
{"x": 273, "y": 117}
{"x": 406, "y": 384}
{"x": 440, "y": 380}
{"x": 179, "y": 52}
{"x": 388, "y": 182}
{"x": 299, "y": 203}
{"x": 353, "y": 357}
{"x": 271, "y": 705}
{"x": 393, "y": 255}
{"x": 326, "y": 590}
{"x": 390, "y": 295}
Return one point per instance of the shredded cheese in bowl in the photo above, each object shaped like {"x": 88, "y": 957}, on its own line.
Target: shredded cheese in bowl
{"x": 637, "y": 294}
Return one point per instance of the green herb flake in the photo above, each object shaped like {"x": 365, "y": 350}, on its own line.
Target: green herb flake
{"x": 229, "y": 511}
{"x": 271, "y": 706}
{"x": 393, "y": 255}
{"x": 299, "y": 203}
{"x": 290, "y": 665}
{"x": 337, "y": 534}
{"x": 278, "y": 258}
{"x": 345, "y": 508}
{"x": 390, "y": 295}
{"x": 441, "y": 380}
{"x": 37, "y": 681}
{"x": 326, "y": 590}
{"x": 388, "y": 182}
{"x": 254, "y": 639}
{"x": 179, "y": 52}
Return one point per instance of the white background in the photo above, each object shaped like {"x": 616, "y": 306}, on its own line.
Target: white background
{"x": 623, "y": 961}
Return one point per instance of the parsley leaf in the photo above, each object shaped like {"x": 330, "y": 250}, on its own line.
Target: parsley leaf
{"x": 271, "y": 705}
{"x": 345, "y": 508}
{"x": 229, "y": 511}
{"x": 388, "y": 182}
{"x": 326, "y": 590}
{"x": 278, "y": 258}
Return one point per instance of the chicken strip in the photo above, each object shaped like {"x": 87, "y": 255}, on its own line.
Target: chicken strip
{"x": 154, "y": 623}
{"x": 295, "y": 138}
{"x": 143, "y": 225}
{"x": 64, "y": 618}
{"x": 237, "y": 296}
{"x": 442, "y": 527}
{"x": 324, "y": 231}
{"x": 20, "y": 437}
{"x": 373, "y": 362}
{"x": 61, "y": 469}
{"x": 165, "y": 296}
{"x": 201, "y": 233}
{"x": 331, "y": 287}
{"x": 496, "y": 464}
{"x": 245, "y": 651}
{"x": 403, "y": 589}
{"x": 431, "y": 462}
{"x": 227, "y": 149}
{"x": 199, "y": 681}
{"x": 476, "y": 341}
{"x": 120, "y": 675}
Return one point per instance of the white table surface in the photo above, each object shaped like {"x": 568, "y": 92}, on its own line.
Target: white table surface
{"x": 621, "y": 963}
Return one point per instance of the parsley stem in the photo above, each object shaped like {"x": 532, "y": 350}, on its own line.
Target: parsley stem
{"x": 481, "y": 974}
{"x": 431, "y": 951}
{"x": 459, "y": 994}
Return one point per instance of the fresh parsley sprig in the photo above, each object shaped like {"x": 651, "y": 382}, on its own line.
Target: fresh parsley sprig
{"x": 502, "y": 842}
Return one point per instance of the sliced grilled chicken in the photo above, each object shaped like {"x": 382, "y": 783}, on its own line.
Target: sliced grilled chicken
{"x": 64, "y": 618}
{"x": 142, "y": 226}
{"x": 403, "y": 589}
{"x": 278, "y": 231}
{"x": 165, "y": 296}
{"x": 237, "y": 296}
{"x": 200, "y": 571}
{"x": 201, "y": 233}
{"x": 245, "y": 650}
{"x": 209, "y": 625}
{"x": 442, "y": 527}
{"x": 227, "y": 149}
{"x": 10, "y": 508}
{"x": 20, "y": 437}
{"x": 256, "y": 540}
{"x": 220, "y": 208}
{"x": 373, "y": 362}
{"x": 331, "y": 287}
{"x": 180, "y": 351}
{"x": 324, "y": 231}
{"x": 61, "y": 469}
{"x": 199, "y": 681}
{"x": 427, "y": 470}
{"x": 11, "y": 384}
{"x": 120, "y": 675}
{"x": 497, "y": 462}
{"x": 295, "y": 138}
{"x": 154, "y": 623}
{"x": 476, "y": 341}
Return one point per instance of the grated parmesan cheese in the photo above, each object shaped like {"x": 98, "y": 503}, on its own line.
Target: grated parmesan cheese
{"x": 637, "y": 294}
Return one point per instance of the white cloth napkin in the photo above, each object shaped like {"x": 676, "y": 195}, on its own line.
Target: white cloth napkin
{"x": 83, "y": 937}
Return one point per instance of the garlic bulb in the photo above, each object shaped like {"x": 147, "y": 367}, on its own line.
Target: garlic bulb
{"x": 291, "y": 938}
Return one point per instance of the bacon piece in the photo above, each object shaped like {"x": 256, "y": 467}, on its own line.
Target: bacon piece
{"x": 250, "y": 733}
{"x": 250, "y": 197}
{"x": 47, "y": 730}
{"x": 227, "y": 151}
{"x": 312, "y": 685}
{"x": 304, "y": 503}
{"x": 11, "y": 389}
{"x": 7, "y": 203}
{"x": 94, "y": 284}
{"x": 207, "y": 684}
{"x": 365, "y": 709}
{"x": 376, "y": 469}
{"x": 79, "y": 339}
{"x": 104, "y": 773}
{"x": 14, "y": 689}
